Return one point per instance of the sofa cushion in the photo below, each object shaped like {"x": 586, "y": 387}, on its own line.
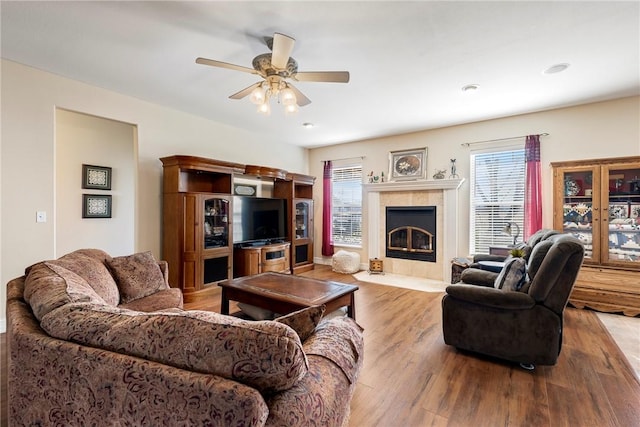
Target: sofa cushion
{"x": 303, "y": 321}
{"x": 137, "y": 276}
{"x": 90, "y": 265}
{"x": 513, "y": 275}
{"x": 161, "y": 300}
{"x": 49, "y": 286}
{"x": 266, "y": 355}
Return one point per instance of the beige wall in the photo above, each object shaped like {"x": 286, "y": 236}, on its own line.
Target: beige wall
{"x": 29, "y": 101}
{"x": 605, "y": 129}
{"x": 83, "y": 139}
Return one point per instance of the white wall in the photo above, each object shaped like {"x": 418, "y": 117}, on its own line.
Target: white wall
{"x": 29, "y": 101}
{"x": 604, "y": 129}
{"x": 84, "y": 139}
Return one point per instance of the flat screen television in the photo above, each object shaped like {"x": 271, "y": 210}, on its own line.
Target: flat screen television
{"x": 258, "y": 220}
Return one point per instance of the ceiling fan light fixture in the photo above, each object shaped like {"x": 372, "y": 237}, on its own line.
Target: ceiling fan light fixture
{"x": 276, "y": 68}
{"x": 287, "y": 97}
{"x": 265, "y": 109}
{"x": 258, "y": 96}
{"x": 290, "y": 109}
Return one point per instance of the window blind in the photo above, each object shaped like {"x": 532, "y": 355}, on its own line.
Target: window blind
{"x": 497, "y": 197}
{"x": 346, "y": 198}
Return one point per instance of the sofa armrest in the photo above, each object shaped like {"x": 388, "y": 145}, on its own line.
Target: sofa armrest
{"x": 477, "y": 276}
{"x": 487, "y": 257}
{"x": 491, "y": 297}
{"x": 335, "y": 353}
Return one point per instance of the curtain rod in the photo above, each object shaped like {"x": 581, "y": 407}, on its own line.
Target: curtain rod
{"x": 466, "y": 144}
{"x": 346, "y": 158}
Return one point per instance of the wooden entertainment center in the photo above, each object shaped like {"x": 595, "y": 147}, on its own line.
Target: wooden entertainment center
{"x": 198, "y": 216}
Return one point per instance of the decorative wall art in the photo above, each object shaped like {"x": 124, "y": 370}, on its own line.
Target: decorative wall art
{"x": 96, "y": 177}
{"x": 96, "y": 206}
{"x": 408, "y": 165}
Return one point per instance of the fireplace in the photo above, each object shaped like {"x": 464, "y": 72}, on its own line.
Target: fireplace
{"x": 442, "y": 193}
{"x": 411, "y": 232}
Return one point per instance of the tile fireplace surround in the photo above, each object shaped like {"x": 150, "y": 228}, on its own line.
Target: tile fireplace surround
{"x": 441, "y": 193}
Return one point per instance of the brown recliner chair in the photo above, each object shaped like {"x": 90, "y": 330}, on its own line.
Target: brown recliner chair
{"x": 520, "y": 326}
{"x": 477, "y": 275}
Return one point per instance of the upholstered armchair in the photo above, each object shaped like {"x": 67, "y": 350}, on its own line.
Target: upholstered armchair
{"x": 477, "y": 275}
{"x": 522, "y": 326}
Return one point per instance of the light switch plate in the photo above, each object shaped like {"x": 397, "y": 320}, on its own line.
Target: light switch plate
{"x": 41, "y": 216}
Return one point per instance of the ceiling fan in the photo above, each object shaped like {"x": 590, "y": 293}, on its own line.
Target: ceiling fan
{"x": 276, "y": 68}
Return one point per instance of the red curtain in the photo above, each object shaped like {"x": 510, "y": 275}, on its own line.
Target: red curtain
{"x": 533, "y": 187}
{"x": 327, "y": 239}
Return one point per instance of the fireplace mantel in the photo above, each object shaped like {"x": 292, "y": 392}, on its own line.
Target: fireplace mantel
{"x": 449, "y": 233}
{"x": 435, "y": 184}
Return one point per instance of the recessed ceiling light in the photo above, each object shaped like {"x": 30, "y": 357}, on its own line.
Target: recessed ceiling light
{"x": 307, "y": 125}
{"x": 470, "y": 88}
{"x": 558, "y": 68}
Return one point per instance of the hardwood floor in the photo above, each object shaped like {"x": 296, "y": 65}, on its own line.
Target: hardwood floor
{"x": 411, "y": 378}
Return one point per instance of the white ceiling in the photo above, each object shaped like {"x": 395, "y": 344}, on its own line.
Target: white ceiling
{"x": 408, "y": 60}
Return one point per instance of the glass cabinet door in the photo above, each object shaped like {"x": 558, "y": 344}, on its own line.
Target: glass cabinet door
{"x": 580, "y": 207}
{"x": 303, "y": 209}
{"x": 216, "y": 223}
{"x": 621, "y": 190}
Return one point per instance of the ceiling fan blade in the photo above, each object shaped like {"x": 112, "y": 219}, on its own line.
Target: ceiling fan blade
{"x": 322, "y": 76}
{"x": 211, "y": 62}
{"x": 282, "y": 48}
{"x": 246, "y": 91}
{"x": 301, "y": 100}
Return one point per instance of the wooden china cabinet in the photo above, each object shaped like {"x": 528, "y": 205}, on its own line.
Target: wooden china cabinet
{"x": 598, "y": 201}
{"x": 298, "y": 190}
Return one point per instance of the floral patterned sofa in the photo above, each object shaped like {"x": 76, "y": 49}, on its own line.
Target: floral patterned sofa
{"x": 95, "y": 340}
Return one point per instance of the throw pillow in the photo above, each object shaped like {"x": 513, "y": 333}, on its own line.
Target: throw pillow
{"x": 513, "y": 275}
{"x": 88, "y": 264}
{"x": 303, "y": 321}
{"x": 137, "y": 276}
{"x": 49, "y": 286}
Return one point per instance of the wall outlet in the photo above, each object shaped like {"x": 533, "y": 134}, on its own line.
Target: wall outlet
{"x": 41, "y": 216}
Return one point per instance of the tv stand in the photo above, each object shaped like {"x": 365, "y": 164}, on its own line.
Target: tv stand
{"x": 250, "y": 260}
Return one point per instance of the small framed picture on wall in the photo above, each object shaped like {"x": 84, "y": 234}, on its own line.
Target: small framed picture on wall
{"x": 408, "y": 165}
{"x": 96, "y": 206}
{"x": 96, "y": 177}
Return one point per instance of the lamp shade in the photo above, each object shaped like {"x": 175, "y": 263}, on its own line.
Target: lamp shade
{"x": 258, "y": 95}
{"x": 508, "y": 230}
{"x": 287, "y": 97}
{"x": 264, "y": 108}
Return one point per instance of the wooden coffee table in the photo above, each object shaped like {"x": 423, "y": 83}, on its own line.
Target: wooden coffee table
{"x": 285, "y": 293}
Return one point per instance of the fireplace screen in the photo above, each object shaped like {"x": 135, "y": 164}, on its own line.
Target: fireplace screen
{"x": 411, "y": 232}
{"x": 411, "y": 239}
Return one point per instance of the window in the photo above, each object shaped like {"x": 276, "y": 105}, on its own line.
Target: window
{"x": 497, "y": 197}
{"x": 346, "y": 199}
